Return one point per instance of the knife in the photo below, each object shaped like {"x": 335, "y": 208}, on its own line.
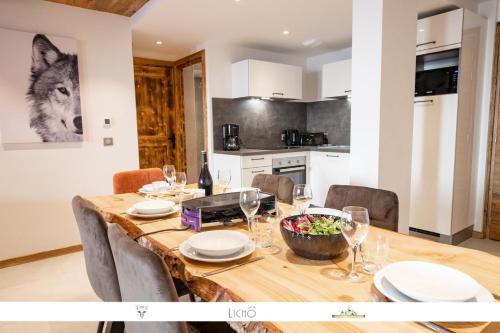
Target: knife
{"x": 434, "y": 327}
{"x": 220, "y": 270}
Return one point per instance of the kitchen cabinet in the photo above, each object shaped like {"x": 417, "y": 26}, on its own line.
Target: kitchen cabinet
{"x": 244, "y": 168}
{"x": 440, "y": 32}
{"x": 327, "y": 169}
{"x": 336, "y": 79}
{"x": 433, "y": 163}
{"x": 248, "y": 174}
{"x": 255, "y": 78}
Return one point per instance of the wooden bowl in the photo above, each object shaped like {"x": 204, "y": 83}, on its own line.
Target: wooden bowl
{"x": 316, "y": 247}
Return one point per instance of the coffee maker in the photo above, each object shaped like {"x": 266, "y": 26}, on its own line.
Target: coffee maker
{"x": 290, "y": 137}
{"x": 231, "y": 137}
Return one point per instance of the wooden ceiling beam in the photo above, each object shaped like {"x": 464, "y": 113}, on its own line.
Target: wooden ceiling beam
{"x": 120, "y": 7}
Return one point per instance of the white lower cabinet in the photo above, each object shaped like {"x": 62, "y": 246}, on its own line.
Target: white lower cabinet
{"x": 248, "y": 174}
{"x": 327, "y": 169}
{"x": 243, "y": 168}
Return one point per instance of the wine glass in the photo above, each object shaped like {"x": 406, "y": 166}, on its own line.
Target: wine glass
{"x": 354, "y": 225}
{"x": 169, "y": 173}
{"x": 302, "y": 197}
{"x": 224, "y": 179}
{"x": 180, "y": 181}
{"x": 250, "y": 203}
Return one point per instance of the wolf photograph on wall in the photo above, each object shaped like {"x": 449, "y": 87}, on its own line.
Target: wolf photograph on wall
{"x": 39, "y": 89}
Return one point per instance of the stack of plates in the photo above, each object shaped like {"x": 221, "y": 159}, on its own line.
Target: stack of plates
{"x": 153, "y": 209}
{"x": 217, "y": 246}
{"x": 150, "y": 188}
{"x": 418, "y": 281}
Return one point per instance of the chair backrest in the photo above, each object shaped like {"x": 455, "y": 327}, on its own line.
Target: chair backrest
{"x": 382, "y": 205}
{"x": 99, "y": 261}
{"x": 131, "y": 181}
{"x": 281, "y": 186}
{"x": 143, "y": 277}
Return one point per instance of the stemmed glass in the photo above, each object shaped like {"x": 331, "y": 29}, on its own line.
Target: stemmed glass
{"x": 180, "y": 181}
{"x": 302, "y": 197}
{"x": 224, "y": 179}
{"x": 354, "y": 225}
{"x": 169, "y": 173}
{"x": 250, "y": 203}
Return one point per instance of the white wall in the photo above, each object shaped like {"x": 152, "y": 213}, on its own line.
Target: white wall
{"x": 383, "y": 78}
{"x": 38, "y": 181}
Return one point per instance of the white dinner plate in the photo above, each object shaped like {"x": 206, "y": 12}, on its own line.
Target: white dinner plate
{"x": 149, "y": 189}
{"x": 429, "y": 282}
{"x": 218, "y": 243}
{"x": 324, "y": 211}
{"x": 389, "y": 291}
{"x": 132, "y": 212}
{"x": 145, "y": 191}
{"x": 149, "y": 207}
{"x": 188, "y": 252}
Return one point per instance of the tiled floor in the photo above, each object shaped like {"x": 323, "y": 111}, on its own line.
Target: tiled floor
{"x": 57, "y": 279}
{"x": 64, "y": 279}
{"x": 486, "y": 245}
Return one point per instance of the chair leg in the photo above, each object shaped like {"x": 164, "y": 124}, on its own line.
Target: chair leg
{"x": 100, "y": 327}
{"x": 115, "y": 327}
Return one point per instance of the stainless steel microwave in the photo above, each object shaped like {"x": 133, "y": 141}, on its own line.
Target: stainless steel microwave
{"x": 437, "y": 81}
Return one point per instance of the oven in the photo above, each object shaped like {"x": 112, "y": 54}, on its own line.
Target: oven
{"x": 293, "y": 167}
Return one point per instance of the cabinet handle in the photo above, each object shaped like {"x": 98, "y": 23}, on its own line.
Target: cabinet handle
{"x": 424, "y": 101}
{"x": 281, "y": 94}
{"x": 347, "y": 91}
{"x": 327, "y": 155}
{"x": 427, "y": 43}
{"x": 257, "y": 159}
{"x": 258, "y": 171}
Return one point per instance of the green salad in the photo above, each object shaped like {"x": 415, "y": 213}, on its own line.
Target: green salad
{"x": 313, "y": 225}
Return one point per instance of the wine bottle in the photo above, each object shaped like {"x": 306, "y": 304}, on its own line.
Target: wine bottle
{"x": 205, "y": 181}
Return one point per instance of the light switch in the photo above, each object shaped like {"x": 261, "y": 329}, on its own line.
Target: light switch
{"x": 107, "y": 122}
{"x": 107, "y": 141}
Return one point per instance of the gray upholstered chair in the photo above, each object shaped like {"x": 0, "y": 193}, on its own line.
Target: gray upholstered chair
{"x": 281, "y": 186}
{"x": 143, "y": 277}
{"x": 99, "y": 261}
{"x": 382, "y": 205}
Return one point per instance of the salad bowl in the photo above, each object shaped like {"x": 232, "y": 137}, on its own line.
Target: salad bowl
{"x": 314, "y": 236}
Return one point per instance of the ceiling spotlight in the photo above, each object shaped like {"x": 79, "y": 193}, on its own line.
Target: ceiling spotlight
{"x": 312, "y": 42}
{"x": 421, "y": 30}
{"x": 159, "y": 42}
{"x": 286, "y": 32}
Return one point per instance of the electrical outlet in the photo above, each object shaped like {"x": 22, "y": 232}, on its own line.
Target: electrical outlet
{"x": 107, "y": 141}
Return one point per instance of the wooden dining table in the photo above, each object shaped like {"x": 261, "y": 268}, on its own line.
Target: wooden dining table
{"x": 283, "y": 276}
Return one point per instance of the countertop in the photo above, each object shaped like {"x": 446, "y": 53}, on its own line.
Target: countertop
{"x": 250, "y": 152}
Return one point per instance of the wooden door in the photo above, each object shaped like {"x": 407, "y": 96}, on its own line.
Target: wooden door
{"x": 155, "y": 113}
{"x": 491, "y": 225}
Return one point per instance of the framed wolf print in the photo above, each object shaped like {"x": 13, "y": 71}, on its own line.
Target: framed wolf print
{"x": 39, "y": 88}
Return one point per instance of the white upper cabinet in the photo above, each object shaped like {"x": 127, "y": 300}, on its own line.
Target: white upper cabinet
{"x": 440, "y": 31}
{"x": 336, "y": 79}
{"x": 266, "y": 79}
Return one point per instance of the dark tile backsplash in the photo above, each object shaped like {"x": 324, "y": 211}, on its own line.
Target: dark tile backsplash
{"x": 261, "y": 121}
{"x": 333, "y": 117}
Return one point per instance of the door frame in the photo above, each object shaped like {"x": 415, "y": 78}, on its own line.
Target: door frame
{"x": 492, "y": 133}
{"x": 179, "y": 65}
